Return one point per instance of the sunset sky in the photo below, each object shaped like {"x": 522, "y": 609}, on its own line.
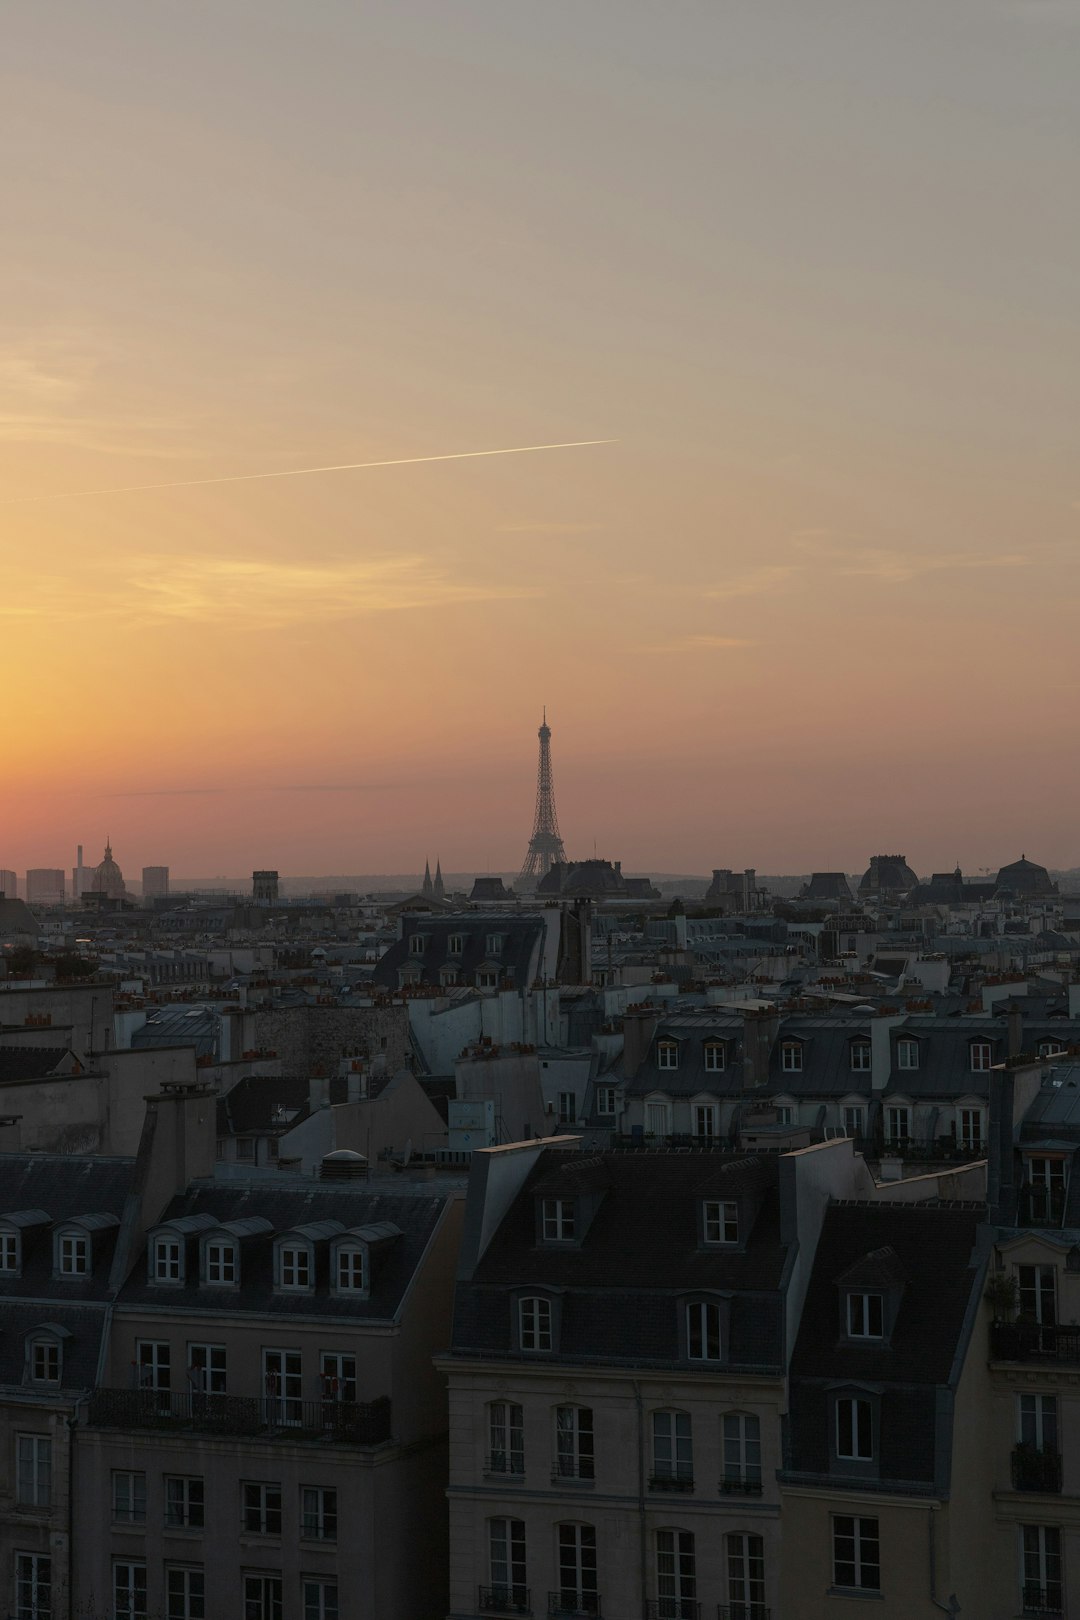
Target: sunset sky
{"x": 813, "y": 264}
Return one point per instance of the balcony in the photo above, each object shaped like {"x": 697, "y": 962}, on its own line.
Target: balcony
{"x": 1034, "y": 1470}
{"x": 934, "y": 1148}
{"x": 1034, "y": 1341}
{"x": 672, "y": 1479}
{"x": 673, "y": 1608}
{"x": 354, "y": 1423}
{"x": 1043, "y": 1602}
{"x": 505, "y": 1464}
{"x": 573, "y": 1471}
{"x": 1042, "y": 1206}
{"x": 571, "y": 1605}
{"x": 742, "y": 1611}
{"x": 504, "y": 1600}
{"x": 741, "y": 1485}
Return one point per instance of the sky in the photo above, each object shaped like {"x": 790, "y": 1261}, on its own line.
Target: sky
{"x": 813, "y": 268}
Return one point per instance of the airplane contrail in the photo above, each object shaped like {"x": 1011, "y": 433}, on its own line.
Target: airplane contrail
{"x": 304, "y": 472}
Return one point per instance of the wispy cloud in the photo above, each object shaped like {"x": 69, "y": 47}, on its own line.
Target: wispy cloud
{"x": 160, "y": 793}
{"x": 48, "y": 396}
{"x": 550, "y": 528}
{"x": 891, "y": 564}
{"x": 754, "y": 583}
{"x": 699, "y": 643}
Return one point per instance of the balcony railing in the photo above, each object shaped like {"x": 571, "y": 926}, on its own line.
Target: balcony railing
{"x": 1034, "y": 1470}
{"x": 933, "y": 1147}
{"x": 573, "y": 1471}
{"x": 673, "y": 1608}
{"x": 571, "y": 1605}
{"x": 742, "y": 1611}
{"x": 741, "y": 1485}
{"x": 508, "y": 1464}
{"x": 1042, "y": 1206}
{"x": 357, "y": 1423}
{"x": 504, "y": 1600}
{"x": 1034, "y": 1341}
{"x": 1043, "y": 1602}
{"x": 672, "y": 1479}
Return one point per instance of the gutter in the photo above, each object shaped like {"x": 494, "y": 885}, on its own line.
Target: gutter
{"x": 952, "y": 1608}
{"x": 642, "y": 1534}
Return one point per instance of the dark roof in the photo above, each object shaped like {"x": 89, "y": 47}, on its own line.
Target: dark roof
{"x": 520, "y": 936}
{"x": 252, "y": 1106}
{"x": 63, "y": 1186}
{"x": 31, "y": 1062}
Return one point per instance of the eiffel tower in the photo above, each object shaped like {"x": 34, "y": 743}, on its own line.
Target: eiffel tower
{"x": 545, "y": 845}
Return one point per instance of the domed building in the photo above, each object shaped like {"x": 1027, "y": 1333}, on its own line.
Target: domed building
{"x": 887, "y": 877}
{"x": 1026, "y": 880}
{"x": 108, "y": 880}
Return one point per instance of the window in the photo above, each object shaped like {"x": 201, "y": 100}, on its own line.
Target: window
{"x": 487, "y": 979}
{"x": 295, "y": 1265}
{"x": 283, "y": 1380}
{"x": 245, "y": 1148}
{"x": 9, "y": 1254}
{"x": 574, "y": 1458}
{"x": 1040, "y": 1555}
{"x": 705, "y": 1122}
{"x": 1050, "y": 1048}
{"x": 667, "y": 1054}
{"x": 853, "y": 1122}
{"x": 183, "y": 1502}
{"x": 318, "y": 1513}
{"x": 856, "y": 1553}
{"x": 534, "y": 1324}
{"x": 741, "y": 1435}
{"x": 1046, "y": 1186}
{"x": 455, "y": 944}
{"x": 715, "y": 1057}
{"x": 128, "y": 1497}
{"x": 33, "y": 1586}
{"x": 898, "y": 1124}
{"x": 320, "y": 1600}
{"x": 262, "y": 1597}
{"x": 855, "y": 1428}
{"x": 168, "y": 1260}
{"x": 656, "y": 1118}
{"x": 350, "y": 1268}
{"x": 605, "y": 1100}
{"x": 338, "y": 1374}
{"x": 506, "y": 1543}
{"x": 185, "y": 1594}
{"x": 907, "y": 1054}
{"x": 206, "y": 1368}
{"x": 676, "y": 1576}
{"x": 45, "y": 1361}
{"x": 129, "y": 1591}
{"x": 567, "y": 1108}
{"x": 418, "y": 944}
{"x": 153, "y": 1363}
{"x": 221, "y": 1262}
{"x": 746, "y": 1576}
{"x": 261, "y": 1508}
{"x": 721, "y": 1219}
{"x": 969, "y": 1132}
{"x": 785, "y": 1114}
{"x": 673, "y": 1450}
{"x": 506, "y": 1438}
{"x": 1037, "y": 1421}
{"x": 33, "y": 1483}
{"x": 791, "y": 1056}
{"x": 493, "y": 945}
{"x": 558, "y": 1220}
{"x": 1037, "y": 1290}
{"x": 703, "y": 1331}
{"x": 578, "y": 1592}
{"x": 861, "y": 1057}
{"x": 865, "y": 1316}
{"x": 982, "y": 1056}
{"x": 72, "y": 1255}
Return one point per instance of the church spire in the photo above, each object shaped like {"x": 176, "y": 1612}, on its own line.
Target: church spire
{"x": 427, "y": 886}
{"x": 439, "y": 890}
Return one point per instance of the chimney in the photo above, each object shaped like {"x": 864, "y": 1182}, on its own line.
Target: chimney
{"x": 1016, "y": 1030}
{"x": 639, "y": 1027}
{"x": 761, "y": 1026}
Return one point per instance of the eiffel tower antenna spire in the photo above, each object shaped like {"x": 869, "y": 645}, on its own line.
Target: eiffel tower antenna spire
{"x": 545, "y": 845}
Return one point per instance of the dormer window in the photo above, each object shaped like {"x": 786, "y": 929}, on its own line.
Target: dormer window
{"x": 455, "y": 944}
{"x": 45, "y": 1361}
{"x": 854, "y": 1428}
{"x": 982, "y": 1056}
{"x": 493, "y": 945}
{"x": 418, "y": 944}
{"x": 72, "y": 1255}
{"x": 865, "y": 1316}
{"x": 10, "y": 1254}
{"x": 558, "y": 1220}
{"x": 295, "y": 1269}
{"x": 720, "y": 1220}
{"x": 448, "y": 975}
{"x": 970, "y": 1135}
{"x": 168, "y": 1259}
{"x": 535, "y": 1323}
{"x": 704, "y": 1335}
{"x": 351, "y": 1274}
{"x": 791, "y": 1057}
{"x": 715, "y": 1057}
{"x": 860, "y": 1057}
{"x": 1050, "y": 1048}
{"x": 221, "y": 1268}
{"x": 487, "y": 979}
{"x": 667, "y": 1054}
{"x": 907, "y": 1054}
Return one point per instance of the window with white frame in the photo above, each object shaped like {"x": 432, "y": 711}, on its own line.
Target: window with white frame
{"x": 672, "y": 1449}
{"x": 534, "y": 1323}
{"x": 338, "y": 1373}
{"x": 705, "y": 1116}
{"x": 72, "y": 1254}
{"x": 129, "y": 1496}
{"x": 1037, "y": 1422}
{"x": 153, "y": 1362}
{"x": 745, "y": 1575}
{"x": 33, "y": 1471}
{"x": 284, "y": 1384}
{"x": 567, "y": 1108}
{"x": 493, "y": 945}
{"x": 865, "y": 1315}
{"x": 320, "y": 1599}
{"x": 185, "y": 1593}
{"x": 605, "y": 1100}
{"x": 853, "y": 1120}
{"x": 455, "y": 944}
{"x": 184, "y": 1502}
{"x": 969, "y": 1128}
{"x": 506, "y": 1438}
{"x": 676, "y": 1575}
{"x": 318, "y": 1513}
{"x": 667, "y": 1054}
{"x": 861, "y": 1057}
{"x": 418, "y": 944}
{"x": 168, "y": 1255}
{"x": 854, "y": 1428}
{"x": 982, "y": 1056}
{"x": 785, "y": 1114}
{"x": 741, "y": 1441}
{"x": 791, "y": 1057}
{"x": 715, "y": 1057}
{"x": 206, "y": 1368}
{"x": 856, "y": 1553}
{"x": 45, "y": 1361}
{"x": 907, "y": 1054}
{"x": 487, "y": 979}
{"x": 574, "y": 1455}
{"x": 1041, "y": 1569}
{"x": 295, "y": 1266}
{"x": 720, "y": 1220}
{"x": 10, "y": 1256}
{"x": 506, "y": 1562}
{"x": 703, "y": 1330}
{"x": 657, "y": 1119}
{"x": 129, "y": 1591}
{"x": 558, "y": 1225}
{"x": 897, "y": 1123}
{"x": 351, "y": 1276}
{"x": 260, "y": 1508}
{"x": 262, "y": 1597}
{"x": 33, "y": 1586}
{"x": 1050, "y": 1048}
{"x": 1037, "y": 1294}
{"x": 1047, "y": 1181}
{"x": 578, "y": 1591}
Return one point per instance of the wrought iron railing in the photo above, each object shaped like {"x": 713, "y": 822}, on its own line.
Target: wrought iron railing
{"x": 741, "y": 1485}
{"x": 672, "y": 1479}
{"x": 568, "y": 1604}
{"x": 1035, "y": 1470}
{"x": 510, "y": 1464}
{"x": 504, "y": 1600}
{"x": 673, "y": 1608}
{"x": 742, "y": 1611}
{"x": 358, "y": 1423}
{"x": 1034, "y": 1341}
{"x": 1043, "y": 1602}
{"x": 573, "y": 1470}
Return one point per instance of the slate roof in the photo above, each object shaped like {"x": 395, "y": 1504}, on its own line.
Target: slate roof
{"x": 286, "y": 1208}
{"x": 521, "y": 938}
{"x": 181, "y": 1026}
{"x": 31, "y": 1062}
{"x": 250, "y": 1106}
{"x": 621, "y": 1289}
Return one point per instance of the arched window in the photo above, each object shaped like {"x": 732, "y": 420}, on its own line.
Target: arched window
{"x": 220, "y": 1268}
{"x": 704, "y": 1322}
{"x": 741, "y": 1441}
{"x": 574, "y": 1455}
{"x": 578, "y": 1591}
{"x": 506, "y": 1553}
{"x": 296, "y": 1265}
{"x": 167, "y": 1258}
{"x": 534, "y": 1323}
{"x": 506, "y": 1438}
{"x": 746, "y": 1576}
{"x": 350, "y": 1271}
{"x": 676, "y": 1575}
{"x": 672, "y": 1452}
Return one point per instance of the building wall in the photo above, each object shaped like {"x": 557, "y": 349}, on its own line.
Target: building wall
{"x": 402, "y": 1112}
{"x": 88, "y": 1010}
{"x": 31, "y": 1529}
{"x": 305, "y": 1037}
{"x": 906, "y": 1541}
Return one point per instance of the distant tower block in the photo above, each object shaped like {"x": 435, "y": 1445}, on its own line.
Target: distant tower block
{"x": 264, "y": 887}
{"x": 155, "y": 882}
{"x": 545, "y": 845}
